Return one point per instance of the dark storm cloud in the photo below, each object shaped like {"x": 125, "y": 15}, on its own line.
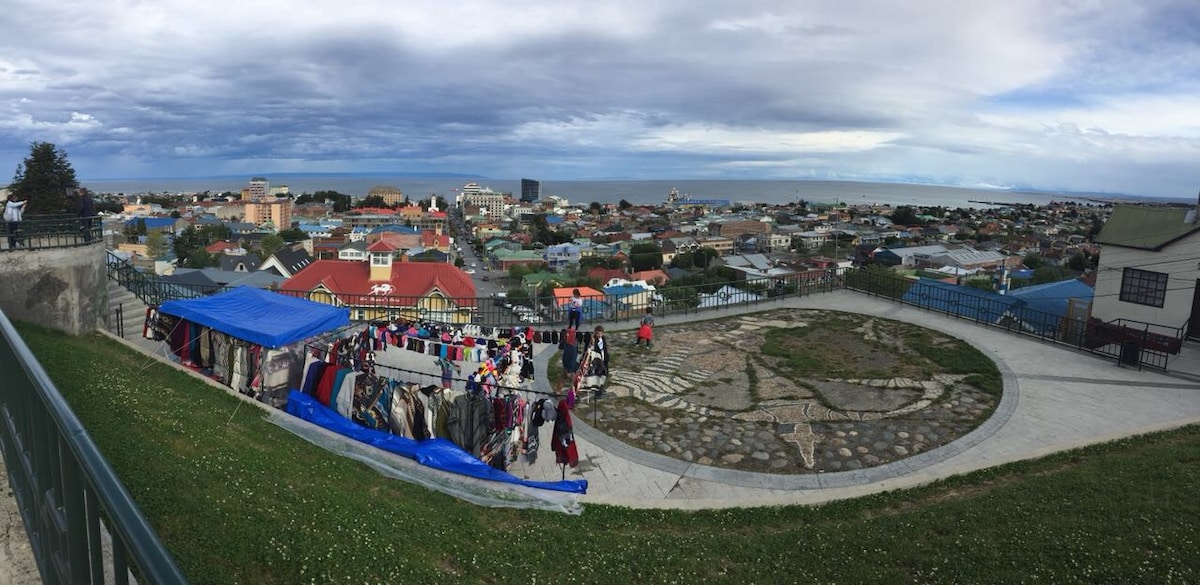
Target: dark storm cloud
{"x": 609, "y": 89}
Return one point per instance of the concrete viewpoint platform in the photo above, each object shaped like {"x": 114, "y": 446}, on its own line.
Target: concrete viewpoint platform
{"x": 1055, "y": 398}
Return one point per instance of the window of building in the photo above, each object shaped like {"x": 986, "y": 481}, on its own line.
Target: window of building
{"x": 1144, "y": 287}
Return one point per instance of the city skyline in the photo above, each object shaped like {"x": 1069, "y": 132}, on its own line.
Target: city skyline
{"x": 1045, "y": 95}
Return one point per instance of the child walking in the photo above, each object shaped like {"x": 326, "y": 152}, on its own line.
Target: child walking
{"x": 645, "y": 331}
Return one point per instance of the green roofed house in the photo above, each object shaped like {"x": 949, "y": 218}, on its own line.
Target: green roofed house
{"x": 1149, "y": 269}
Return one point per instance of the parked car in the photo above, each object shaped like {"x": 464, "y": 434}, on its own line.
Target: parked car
{"x": 470, "y": 271}
{"x": 485, "y": 278}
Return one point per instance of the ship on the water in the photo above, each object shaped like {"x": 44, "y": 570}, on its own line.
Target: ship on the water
{"x": 677, "y": 200}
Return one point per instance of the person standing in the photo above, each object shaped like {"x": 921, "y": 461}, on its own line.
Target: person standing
{"x": 570, "y": 356}
{"x": 574, "y": 310}
{"x": 13, "y": 210}
{"x": 87, "y": 211}
{"x": 645, "y": 331}
{"x": 597, "y": 362}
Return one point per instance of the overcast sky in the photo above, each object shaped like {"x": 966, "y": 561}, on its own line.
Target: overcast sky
{"x": 1085, "y": 95}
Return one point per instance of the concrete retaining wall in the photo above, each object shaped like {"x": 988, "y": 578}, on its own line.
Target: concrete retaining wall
{"x": 62, "y": 288}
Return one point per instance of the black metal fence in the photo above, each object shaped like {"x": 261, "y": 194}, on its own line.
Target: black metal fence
{"x": 1130, "y": 343}
{"x": 51, "y": 231}
{"x": 66, "y": 490}
{"x": 538, "y": 307}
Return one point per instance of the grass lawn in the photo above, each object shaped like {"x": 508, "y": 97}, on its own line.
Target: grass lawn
{"x": 237, "y": 499}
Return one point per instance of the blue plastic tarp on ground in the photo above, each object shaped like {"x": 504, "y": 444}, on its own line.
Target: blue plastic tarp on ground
{"x": 262, "y": 317}
{"x": 436, "y": 453}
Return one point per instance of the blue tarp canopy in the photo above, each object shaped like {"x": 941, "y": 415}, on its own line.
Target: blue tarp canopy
{"x": 436, "y": 453}
{"x": 258, "y": 316}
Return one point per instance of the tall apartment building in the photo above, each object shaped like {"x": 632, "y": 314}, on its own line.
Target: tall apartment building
{"x": 485, "y": 198}
{"x": 390, "y": 195}
{"x": 531, "y": 191}
{"x": 278, "y": 213}
{"x": 257, "y": 189}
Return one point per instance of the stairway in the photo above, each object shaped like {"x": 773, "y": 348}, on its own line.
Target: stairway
{"x": 132, "y": 312}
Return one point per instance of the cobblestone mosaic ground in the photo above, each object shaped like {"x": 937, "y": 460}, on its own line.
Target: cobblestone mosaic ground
{"x": 708, "y": 393}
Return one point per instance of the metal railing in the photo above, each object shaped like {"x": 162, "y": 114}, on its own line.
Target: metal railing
{"x": 36, "y": 232}
{"x": 151, "y": 288}
{"x": 539, "y": 308}
{"x": 1130, "y": 344}
{"x": 65, "y": 487}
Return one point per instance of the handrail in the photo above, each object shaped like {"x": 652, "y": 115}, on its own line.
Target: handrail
{"x": 490, "y": 311}
{"x": 37, "y": 232}
{"x": 58, "y": 476}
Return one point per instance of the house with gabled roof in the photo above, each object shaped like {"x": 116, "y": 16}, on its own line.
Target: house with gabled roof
{"x": 384, "y": 288}
{"x": 287, "y": 261}
{"x": 1149, "y": 270}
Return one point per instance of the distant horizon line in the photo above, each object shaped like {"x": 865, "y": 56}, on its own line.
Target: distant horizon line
{"x": 469, "y": 176}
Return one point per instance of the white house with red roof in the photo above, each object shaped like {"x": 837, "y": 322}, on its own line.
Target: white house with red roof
{"x": 383, "y": 287}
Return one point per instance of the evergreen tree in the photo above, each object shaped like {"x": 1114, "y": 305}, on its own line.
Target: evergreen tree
{"x": 44, "y": 180}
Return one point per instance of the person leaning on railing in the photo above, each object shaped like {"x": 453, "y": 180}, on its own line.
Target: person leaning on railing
{"x": 13, "y": 210}
{"x": 87, "y": 211}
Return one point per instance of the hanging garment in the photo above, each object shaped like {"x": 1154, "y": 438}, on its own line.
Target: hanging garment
{"x": 239, "y": 378}
{"x": 401, "y": 411}
{"x": 220, "y": 343}
{"x": 343, "y": 399}
{"x": 563, "y": 438}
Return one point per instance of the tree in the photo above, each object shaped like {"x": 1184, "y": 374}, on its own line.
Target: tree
{"x": 44, "y": 179}
{"x": 595, "y": 208}
{"x": 623, "y": 205}
{"x": 270, "y": 244}
{"x": 293, "y": 235}
{"x": 372, "y": 201}
{"x": 645, "y": 256}
{"x": 156, "y": 244}
{"x": 199, "y": 258}
{"x": 905, "y": 215}
{"x": 1033, "y": 261}
{"x": 1044, "y": 274}
{"x": 459, "y": 262}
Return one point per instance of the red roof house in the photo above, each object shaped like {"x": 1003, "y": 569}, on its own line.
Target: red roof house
{"x": 382, "y": 288}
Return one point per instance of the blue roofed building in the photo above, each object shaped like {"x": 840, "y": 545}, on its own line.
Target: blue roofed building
{"x": 1056, "y": 310}
{"x": 167, "y": 225}
{"x": 1059, "y": 309}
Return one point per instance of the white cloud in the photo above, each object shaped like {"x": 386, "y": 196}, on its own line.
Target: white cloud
{"x": 1004, "y": 92}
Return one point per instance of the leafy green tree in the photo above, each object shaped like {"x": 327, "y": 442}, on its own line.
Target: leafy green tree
{"x": 156, "y": 244}
{"x": 293, "y": 235}
{"x": 518, "y": 271}
{"x": 1033, "y": 261}
{"x": 623, "y": 205}
{"x": 199, "y": 258}
{"x": 1047, "y": 273}
{"x": 44, "y": 179}
{"x": 905, "y": 215}
{"x": 645, "y": 256}
{"x": 371, "y": 201}
{"x": 1078, "y": 262}
{"x": 595, "y": 208}
{"x": 270, "y": 244}
{"x": 517, "y": 295}
{"x": 459, "y": 261}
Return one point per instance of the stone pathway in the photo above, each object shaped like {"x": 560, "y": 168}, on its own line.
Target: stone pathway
{"x": 703, "y": 397}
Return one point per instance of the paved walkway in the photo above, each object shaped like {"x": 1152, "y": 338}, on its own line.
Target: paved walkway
{"x": 1055, "y": 398}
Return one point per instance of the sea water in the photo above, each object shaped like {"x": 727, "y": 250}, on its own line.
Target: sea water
{"x": 611, "y": 191}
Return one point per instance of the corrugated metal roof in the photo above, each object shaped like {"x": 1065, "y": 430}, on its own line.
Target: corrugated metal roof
{"x": 1145, "y": 227}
